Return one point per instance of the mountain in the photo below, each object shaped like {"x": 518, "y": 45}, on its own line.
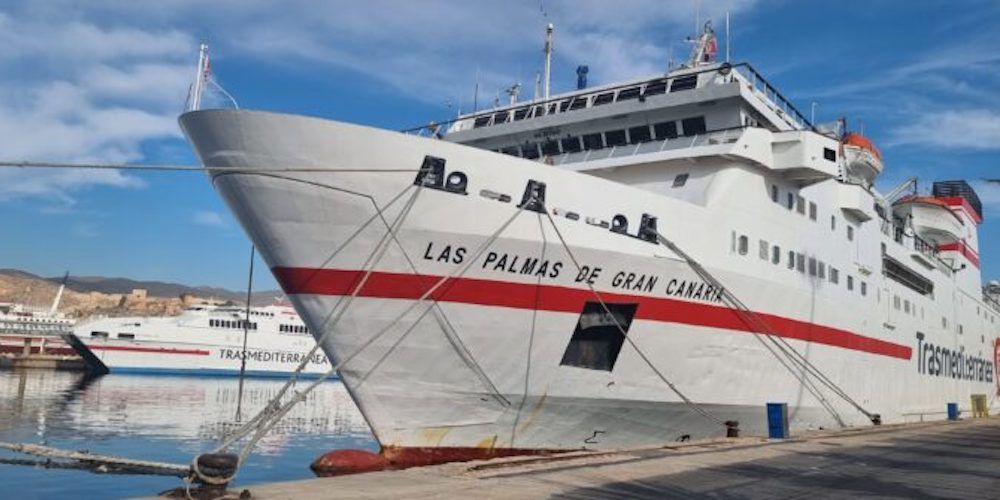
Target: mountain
{"x": 161, "y": 289}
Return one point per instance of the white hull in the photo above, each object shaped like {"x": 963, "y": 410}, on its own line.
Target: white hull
{"x": 485, "y": 367}
{"x": 188, "y": 345}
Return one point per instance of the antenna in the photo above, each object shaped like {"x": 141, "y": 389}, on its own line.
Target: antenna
{"x": 548, "y": 59}
{"x": 727, "y": 37}
{"x": 513, "y": 91}
{"x": 538, "y": 86}
{"x": 475, "y": 94}
{"x": 199, "y": 79}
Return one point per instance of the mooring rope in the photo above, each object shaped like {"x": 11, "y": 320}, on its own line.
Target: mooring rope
{"x": 194, "y": 168}
{"x": 688, "y": 401}
{"x": 753, "y": 321}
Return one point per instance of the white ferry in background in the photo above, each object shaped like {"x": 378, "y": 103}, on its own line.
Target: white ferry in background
{"x": 203, "y": 340}
{"x": 28, "y": 330}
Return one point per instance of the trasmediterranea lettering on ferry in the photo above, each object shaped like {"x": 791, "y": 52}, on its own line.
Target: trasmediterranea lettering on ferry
{"x": 290, "y": 358}
{"x": 944, "y": 362}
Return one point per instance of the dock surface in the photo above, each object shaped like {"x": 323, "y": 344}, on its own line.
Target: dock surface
{"x": 930, "y": 460}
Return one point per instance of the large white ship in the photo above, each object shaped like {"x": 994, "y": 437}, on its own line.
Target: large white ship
{"x": 614, "y": 266}
{"x": 203, "y": 340}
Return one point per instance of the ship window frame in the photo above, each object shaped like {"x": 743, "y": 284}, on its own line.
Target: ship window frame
{"x": 501, "y": 117}
{"x": 743, "y": 244}
{"x": 564, "y": 105}
{"x": 665, "y": 130}
{"x": 482, "y": 121}
{"x": 790, "y": 201}
{"x": 126, "y": 336}
{"x": 864, "y": 288}
{"x": 812, "y": 266}
{"x": 595, "y": 136}
{"x": 800, "y": 204}
{"x": 628, "y": 94}
{"x": 521, "y": 113}
{"x": 800, "y": 262}
{"x": 830, "y": 154}
{"x": 694, "y": 125}
{"x": 579, "y": 102}
{"x": 646, "y": 132}
{"x": 604, "y": 98}
{"x": 99, "y": 334}
{"x": 550, "y": 147}
{"x": 774, "y": 193}
{"x": 813, "y": 210}
{"x": 821, "y": 270}
{"x": 850, "y": 282}
{"x": 534, "y": 154}
{"x": 575, "y": 145}
{"x": 791, "y": 260}
{"x": 834, "y": 275}
{"x": 684, "y": 82}
{"x": 776, "y": 255}
{"x": 657, "y": 87}
{"x": 620, "y": 138}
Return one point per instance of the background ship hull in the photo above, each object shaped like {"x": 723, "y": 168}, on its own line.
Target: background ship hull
{"x": 484, "y": 367}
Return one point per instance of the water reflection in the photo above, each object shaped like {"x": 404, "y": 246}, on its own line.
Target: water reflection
{"x": 169, "y": 418}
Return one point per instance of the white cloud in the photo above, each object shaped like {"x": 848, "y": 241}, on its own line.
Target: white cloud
{"x": 974, "y": 129}
{"x": 209, "y": 218}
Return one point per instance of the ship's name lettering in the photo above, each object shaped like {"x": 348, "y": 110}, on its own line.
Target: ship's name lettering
{"x": 519, "y": 264}
{"x": 271, "y": 356}
{"x": 694, "y": 289}
{"x": 944, "y": 362}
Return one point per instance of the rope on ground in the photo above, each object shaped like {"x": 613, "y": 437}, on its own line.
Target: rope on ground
{"x": 694, "y": 406}
{"x": 95, "y": 461}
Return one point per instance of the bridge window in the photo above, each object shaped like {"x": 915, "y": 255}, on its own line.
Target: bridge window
{"x": 530, "y": 150}
{"x": 638, "y": 135}
{"x": 571, "y": 144}
{"x": 550, "y": 148}
{"x": 656, "y": 88}
{"x": 615, "y": 138}
{"x": 578, "y": 103}
{"x": 482, "y": 121}
{"x": 501, "y": 117}
{"x": 520, "y": 114}
{"x": 693, "y": 126}
{"x": 604, "y": 98}
{"x": 627, "y": 94}
{"x": 563, "y": 105}
{"x": 665, "y": 130}
{"x": 593, "y": 141}
{"x": 512, "y": 150}
{"x": 684, "y": 83}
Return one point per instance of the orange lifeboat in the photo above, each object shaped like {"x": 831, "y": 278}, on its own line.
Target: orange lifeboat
{"x": 862, "y": 159}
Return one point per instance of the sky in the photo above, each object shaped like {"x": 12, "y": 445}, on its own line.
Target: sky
{"x": 105, "y": 83}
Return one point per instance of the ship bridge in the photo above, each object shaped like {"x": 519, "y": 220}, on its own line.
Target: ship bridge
{"x": 703, "y": 110}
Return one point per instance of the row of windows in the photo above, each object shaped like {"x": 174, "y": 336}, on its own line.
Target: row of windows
{"x": 796, "y": 261}
{"x": 293, "y": 329}
{"x": 799, "y": 204}
{"x": 587, "y": 142}
{"x": 235, "y": 324}
{"x": 640, "y": 92}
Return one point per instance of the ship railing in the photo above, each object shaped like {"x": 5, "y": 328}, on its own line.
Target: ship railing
{"x": 711, "y": 138}
{"x": 779, "y": 104}
{"x": 908, "y": 240}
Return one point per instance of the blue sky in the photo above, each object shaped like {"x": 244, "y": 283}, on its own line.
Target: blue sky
{"x": 106, "y": 83}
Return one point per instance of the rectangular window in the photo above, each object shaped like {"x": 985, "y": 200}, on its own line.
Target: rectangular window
{"x": 834, "y": 275}
{"x": 693, "y": 126}
{"x": 790, "y": 203}
{"x": 512, "y": 150}
{"x": 800, "y": 262}
{"x": 909, "y": 278}
{"x": 684, "y": 83}
{"x": 530, "y": 151}
{"x": 593, "y": 141}
{"x": 906, "y": 306}
{"x": 482, "y": 121}
{"x": 604, "y": 98}
{"x": 850, "y": 282}
{"x": 500, "y": 117}
{"x": 812, "y": 266}
{"x": 680, "y": 180}
{"x": 864, "y": 288}
{"x": 127, "y": 336}
{"x": 597, "y": 340}
{"x": 822, "y": 270}
{"x": 833, "y": 222}
{"x": 744, "y": 245}
{"x": 812, "y": 210}
{"x": 774, "y": 193}
{"x": 850, "y": 233}
{"x": 615, "y": 138}
{"x": 776, "y": 255}
{"x": 579, "y": 102}
{"x": 791, "y": 259}
{"x": 550, "y": 148}
{"x": 521, "y": 113}
{"x": 829, "y": 154}
{"x": 571, "y": 144}
{"x": 665, "y": 130}
{"x": 102, "y": 335}
{"x": 800, "y": 205}
{"x": 896, "y": 302}
{"x": 627, "y": 94}
{"x": 637, "y": 135}
{"x": 765, "y": 250}
{"x": 655, "y": 88}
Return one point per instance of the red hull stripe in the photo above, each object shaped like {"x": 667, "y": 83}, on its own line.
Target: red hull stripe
{"x": 564, "y": 299}
{"x": 962, "y": 204}
{"x": 157, "y": 350}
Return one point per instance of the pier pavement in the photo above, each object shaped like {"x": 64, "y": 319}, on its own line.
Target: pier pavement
{"x": 927, "y": 460}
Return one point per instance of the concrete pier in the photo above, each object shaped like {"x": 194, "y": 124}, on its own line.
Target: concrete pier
{"x": 927, "y": 460}
{"x": 36, "y": 361}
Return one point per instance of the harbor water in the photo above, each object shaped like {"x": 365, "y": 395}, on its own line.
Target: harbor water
{"x": 160, "y": 418}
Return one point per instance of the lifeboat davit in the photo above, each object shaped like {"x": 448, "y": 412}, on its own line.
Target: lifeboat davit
{"x": 932, "y": 219}
{"x": 862, "y": 159}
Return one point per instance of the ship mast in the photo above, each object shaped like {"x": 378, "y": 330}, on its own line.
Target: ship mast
{"x": 547, "y": 79}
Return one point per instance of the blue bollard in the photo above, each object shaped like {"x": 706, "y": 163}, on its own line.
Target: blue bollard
{"x": 952, "y": 411}
{"x": 777, "y": 420}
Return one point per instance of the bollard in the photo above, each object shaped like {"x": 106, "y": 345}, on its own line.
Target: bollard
{"x": 777, "y": 420}
{"x": 952, "y": 411}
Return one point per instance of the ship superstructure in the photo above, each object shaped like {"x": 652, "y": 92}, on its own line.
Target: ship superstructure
{"x": 611, "y": 266}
